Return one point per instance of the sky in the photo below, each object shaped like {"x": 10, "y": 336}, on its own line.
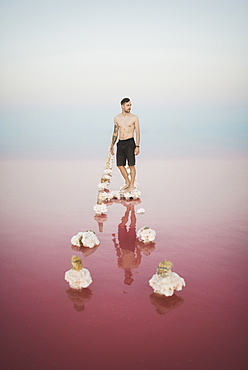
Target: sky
{"x": 65, "y": 65}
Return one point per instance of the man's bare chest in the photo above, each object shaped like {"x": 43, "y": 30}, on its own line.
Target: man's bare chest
{"x": 126, "y": 124}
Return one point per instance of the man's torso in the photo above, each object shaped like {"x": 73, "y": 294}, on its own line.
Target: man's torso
{"x": 126, "y": 126}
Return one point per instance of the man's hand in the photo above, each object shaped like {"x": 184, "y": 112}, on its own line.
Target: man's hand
{"x": 136, "y": 150}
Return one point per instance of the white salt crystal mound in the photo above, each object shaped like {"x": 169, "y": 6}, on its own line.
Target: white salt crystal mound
{"x": 108, "y": 171}
{"x": 89, "y": 239}
{"x": 146, "y": 234}
{"x": 116, "y": 194}
{"x": 103, "y": 185}
{"x": 134, "y": 194}
{"x": 106, "y": 196}
{"x": 165, "y": 285}
{"x": 76, "y": 239}
{"x": 78, "y": 279}
{"x": 100, "y": 209}
{"x": 85, "y": 238}
{"x": 140, "y": 210}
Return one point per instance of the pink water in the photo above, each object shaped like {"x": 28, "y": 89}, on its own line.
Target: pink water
{"x": 199, "y": 209}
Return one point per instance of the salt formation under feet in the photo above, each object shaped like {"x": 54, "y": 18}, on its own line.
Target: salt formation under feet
{"x": 104, "y": 195}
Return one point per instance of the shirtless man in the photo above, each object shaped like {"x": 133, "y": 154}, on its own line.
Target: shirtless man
{"x": 125, "y": 124}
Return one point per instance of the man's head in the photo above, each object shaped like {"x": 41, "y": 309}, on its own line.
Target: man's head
{"x": 126, "y": 105}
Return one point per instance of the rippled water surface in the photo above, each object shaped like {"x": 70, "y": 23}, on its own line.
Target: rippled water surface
{"x": 199, "y": 210}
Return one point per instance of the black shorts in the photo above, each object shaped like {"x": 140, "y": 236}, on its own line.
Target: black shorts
{"x": 125, "y": 152}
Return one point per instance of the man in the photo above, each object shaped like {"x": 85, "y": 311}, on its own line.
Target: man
{"x": 125, "y": 124}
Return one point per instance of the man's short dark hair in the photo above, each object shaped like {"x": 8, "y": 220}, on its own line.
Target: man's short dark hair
{"x": 125, "y": 100}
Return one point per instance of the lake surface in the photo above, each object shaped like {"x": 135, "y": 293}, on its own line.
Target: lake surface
{"x": 199, "y": 210}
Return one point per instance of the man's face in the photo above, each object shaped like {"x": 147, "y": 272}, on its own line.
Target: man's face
{"x": 127, "y": 107}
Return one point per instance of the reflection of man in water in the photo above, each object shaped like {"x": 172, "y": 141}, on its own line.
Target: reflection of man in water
{"x": 128, "y": 255}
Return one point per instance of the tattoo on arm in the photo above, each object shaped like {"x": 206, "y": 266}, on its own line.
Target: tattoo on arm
{"x": 114, "y": 137}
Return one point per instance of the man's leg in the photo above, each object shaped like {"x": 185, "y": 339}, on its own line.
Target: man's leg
{"x": 132, "y": 175}
{"x": 125, "y": 175}
{"x": 131, "y": 163}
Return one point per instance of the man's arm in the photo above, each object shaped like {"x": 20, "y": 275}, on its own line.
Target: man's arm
{"x": 137, "y": 133}
{"x": 114, "y": 138}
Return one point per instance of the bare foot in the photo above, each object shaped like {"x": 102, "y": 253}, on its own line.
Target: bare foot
{"x": 124, "y": 187}
{"x": 129, "y": 189}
